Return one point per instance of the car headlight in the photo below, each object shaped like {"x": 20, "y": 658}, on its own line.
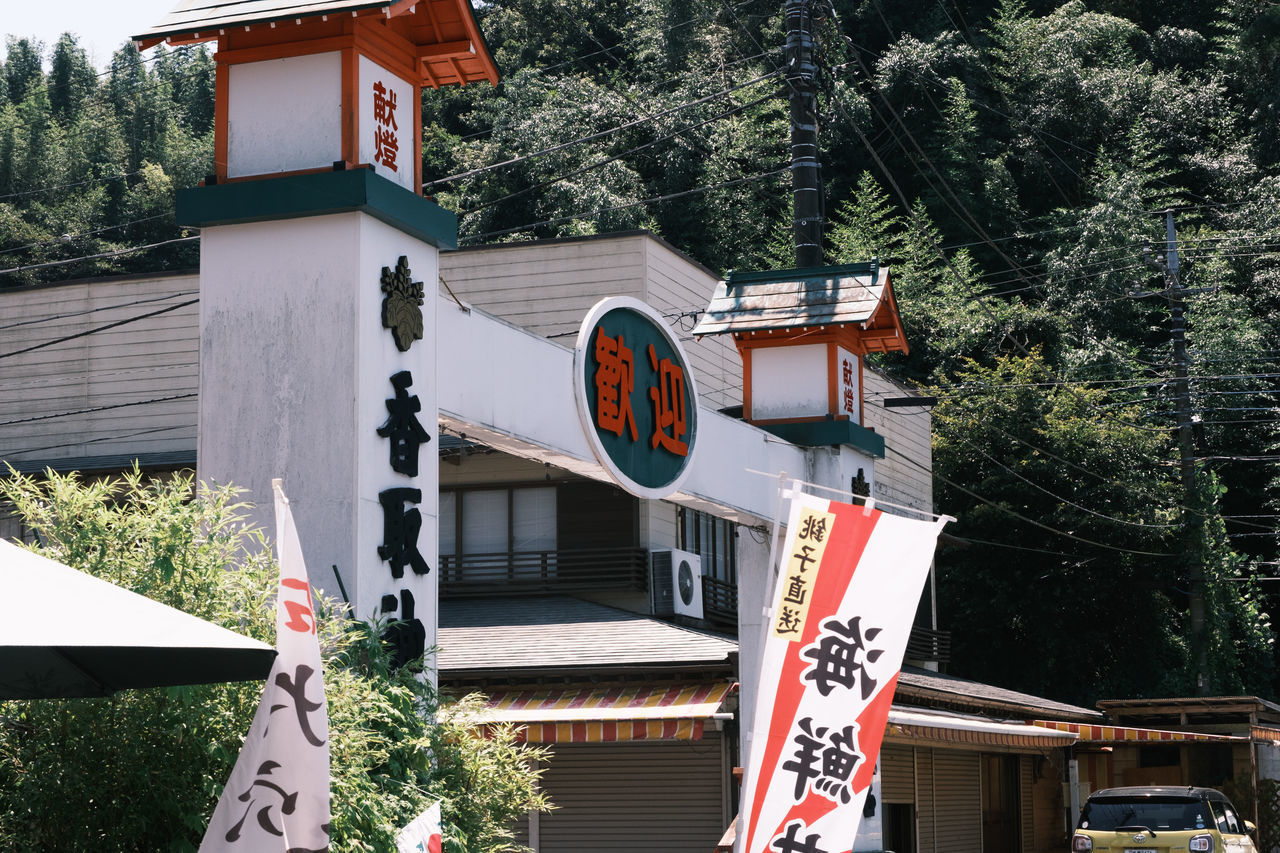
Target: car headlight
{"x": 1083, "y": 844}
{"x": 1200, "y": 844}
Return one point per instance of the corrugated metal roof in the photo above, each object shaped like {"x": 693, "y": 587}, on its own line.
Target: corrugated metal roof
{"x": 193, "y": 15}
{"x": 917, "y": 685}
{"x": 911, "y": 724}
{"x": 788, "y": 299}
{"x": 499, "y": 635}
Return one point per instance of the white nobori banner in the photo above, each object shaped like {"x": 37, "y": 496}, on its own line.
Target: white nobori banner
{"x": 846, "y": 593}
{"x": 277, "y": 799}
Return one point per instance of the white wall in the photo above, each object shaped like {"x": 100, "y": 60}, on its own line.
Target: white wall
{"x": 548, "y": 287}
{"x": 295, "y": 368}
{"x": 284, "y": 114}
{"x": 104, "y": 379}
{"x": 905, "y": 474}
{"x": 789, "y": 382}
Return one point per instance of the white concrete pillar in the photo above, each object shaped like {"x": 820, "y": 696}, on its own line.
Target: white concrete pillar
{"x": 296, "y": 371}
{"x": 755, "y": 583}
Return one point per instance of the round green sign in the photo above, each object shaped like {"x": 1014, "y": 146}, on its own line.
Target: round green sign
{"x": 636, "y": 396}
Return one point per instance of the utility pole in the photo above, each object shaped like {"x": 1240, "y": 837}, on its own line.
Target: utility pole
{"x": 1176, "y": 295}
{"x": 806, "y": 171}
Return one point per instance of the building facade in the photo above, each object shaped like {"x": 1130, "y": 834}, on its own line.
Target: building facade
{"x": 557, "y": 592}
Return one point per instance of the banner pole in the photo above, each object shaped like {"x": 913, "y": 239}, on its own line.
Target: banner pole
{"x": 775, "y": 533}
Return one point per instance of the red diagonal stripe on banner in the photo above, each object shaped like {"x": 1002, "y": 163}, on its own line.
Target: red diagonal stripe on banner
{"x": 848, "y": 538}
{"x": 871, "y": 725}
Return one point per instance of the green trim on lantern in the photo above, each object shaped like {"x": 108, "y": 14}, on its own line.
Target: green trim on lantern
{"x": 317, "y": 194}
{"x": 822, "y": 433}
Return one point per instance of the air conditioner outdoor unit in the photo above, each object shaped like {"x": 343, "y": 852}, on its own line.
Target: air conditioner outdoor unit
{"x": 675, "y": 586}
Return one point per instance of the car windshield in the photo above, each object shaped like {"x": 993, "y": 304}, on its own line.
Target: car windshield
{"x": 1170, "y": 814}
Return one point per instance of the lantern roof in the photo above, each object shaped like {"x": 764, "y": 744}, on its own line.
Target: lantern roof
{"x": 451, "y": 45}
{"x": 858, "y": 295}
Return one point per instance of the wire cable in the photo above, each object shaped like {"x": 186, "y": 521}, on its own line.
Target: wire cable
{"x": 600, "y": 135}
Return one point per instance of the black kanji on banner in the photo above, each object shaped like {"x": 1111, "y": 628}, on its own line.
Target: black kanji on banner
{"x": 840, "y": 656}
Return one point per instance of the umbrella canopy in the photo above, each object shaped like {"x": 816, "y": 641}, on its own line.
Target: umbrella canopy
{"x": 64, "y": 633}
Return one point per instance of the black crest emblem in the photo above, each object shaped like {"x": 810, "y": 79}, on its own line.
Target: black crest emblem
{"x": 402, "y": 305}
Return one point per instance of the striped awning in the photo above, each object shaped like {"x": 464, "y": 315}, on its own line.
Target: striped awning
{"x": 1117, "y": 734}
{"x": 1262, "y": 733}
{"x": 915, "y": 726}
{"x": 609, "y": 713}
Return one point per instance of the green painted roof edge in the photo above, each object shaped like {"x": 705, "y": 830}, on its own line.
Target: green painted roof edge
{"x": 317, "y": 194}
{"x": 733, "y": 277}
{"x": 823, "y": 433}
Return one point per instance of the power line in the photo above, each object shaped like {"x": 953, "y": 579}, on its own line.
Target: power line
{"x": 66, "y": 237}
{"x": 98, "y": 256}
{"x": 98, "y": 409}
{"x": 9, "y": 454}
{"x": 594, "y": 136}
{"x": 592, "y": 166}
{"x": 97, "y": 329}
{"x": 1061, "y": 499}
{"x": 1022, "y": 517}
{"x": 52, "y": 317}
{"x": 594, "y": 213}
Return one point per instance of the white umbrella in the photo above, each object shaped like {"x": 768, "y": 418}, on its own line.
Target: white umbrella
{"x": 64, "y": 633}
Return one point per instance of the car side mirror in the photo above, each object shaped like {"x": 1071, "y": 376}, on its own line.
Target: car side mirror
{"x": 1250, "y": 827}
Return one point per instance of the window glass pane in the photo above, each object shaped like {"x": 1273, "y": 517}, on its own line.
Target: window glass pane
{"x": 484, "y": 522}
{"x": 448, "y": 523}
{"x": 709, "y": 544}
{"x": 723, "y": 544}
{"x": 732, "y": 572}
{"x": 534, "y": 525}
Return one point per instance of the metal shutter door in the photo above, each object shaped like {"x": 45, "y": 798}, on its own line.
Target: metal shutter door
{"x": 640, "y": 797}
{"x": 1027, "y": 800}
{"x": 521, "y": 831}
{"x": 897, "y": 774}
{"x": 926, "y": 817}
{"x": 958, "y": 801}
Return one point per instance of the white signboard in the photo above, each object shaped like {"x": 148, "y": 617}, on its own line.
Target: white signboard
{"x": 386, "y": 123}
{"x": 848, "y": 393}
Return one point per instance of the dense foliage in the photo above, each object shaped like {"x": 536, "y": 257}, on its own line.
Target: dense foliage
{"x": 1008, "y": 159}
{"x": 142, "y": 771}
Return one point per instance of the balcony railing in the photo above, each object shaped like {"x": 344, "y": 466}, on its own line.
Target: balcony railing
{"x": 720, "y": 601}
{"x": 928, "y": 645}
{"x": 517, "y": 572}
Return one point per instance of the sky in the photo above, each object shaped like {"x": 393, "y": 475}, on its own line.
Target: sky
{"x": 101, "y": 25}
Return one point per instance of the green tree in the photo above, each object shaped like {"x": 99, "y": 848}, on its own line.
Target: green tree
{"x": 142, "y": 770}
{"x": 22, "y": 67}
{"x": 72, "y": 79}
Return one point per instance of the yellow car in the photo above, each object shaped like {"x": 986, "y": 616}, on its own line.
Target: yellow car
{"x": 1161, "y": 819}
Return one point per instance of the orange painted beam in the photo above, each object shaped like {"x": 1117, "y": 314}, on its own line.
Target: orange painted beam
{"x": 446, "y": 50}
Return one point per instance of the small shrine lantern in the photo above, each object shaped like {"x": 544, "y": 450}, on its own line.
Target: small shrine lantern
{"x": 319, "y": 259}
{"x": 802, "y": 335}
{"x": 308, "y": 87}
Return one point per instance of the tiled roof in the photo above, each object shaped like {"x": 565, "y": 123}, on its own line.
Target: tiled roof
{"x": 788, "y": 299}
{"x": 552, "y": 635}
{"x": 188, "y": 15}
{"x": 501, "y": 636}
{"x": 917, "y": 686}
{"x": 455, "y": 52}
